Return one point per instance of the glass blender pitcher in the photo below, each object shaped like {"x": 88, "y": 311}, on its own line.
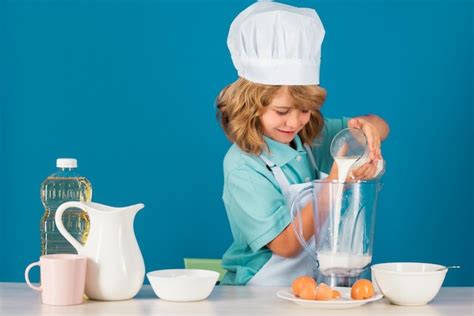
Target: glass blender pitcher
{"x": 344, "y": 219}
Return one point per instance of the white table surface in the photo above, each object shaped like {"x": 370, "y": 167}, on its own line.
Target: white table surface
{"x": 19, "y": 299}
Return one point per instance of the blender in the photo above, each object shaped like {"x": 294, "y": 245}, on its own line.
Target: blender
{"x": 344, "y": 216}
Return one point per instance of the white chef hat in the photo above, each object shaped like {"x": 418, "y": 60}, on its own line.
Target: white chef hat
{"x": 277, "y": 44}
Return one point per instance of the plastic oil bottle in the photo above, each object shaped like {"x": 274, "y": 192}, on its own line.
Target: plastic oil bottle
{"x": 62, "y": 186}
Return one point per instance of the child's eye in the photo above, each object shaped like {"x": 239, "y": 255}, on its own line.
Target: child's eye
{"x": 282, "y": 112}
{"x": 305, "y": 111}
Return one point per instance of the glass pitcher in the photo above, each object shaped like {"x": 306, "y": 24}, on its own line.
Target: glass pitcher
{"x": 344, "y": 219}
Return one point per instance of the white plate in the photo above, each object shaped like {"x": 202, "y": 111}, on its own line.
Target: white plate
{"x": 341, "y": 303}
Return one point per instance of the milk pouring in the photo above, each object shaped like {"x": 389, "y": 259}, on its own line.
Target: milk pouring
{"x": 349, "y": 149}
{"x": 344, "y": 215}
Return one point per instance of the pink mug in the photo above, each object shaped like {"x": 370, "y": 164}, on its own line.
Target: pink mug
{"x": 63, "y": 278}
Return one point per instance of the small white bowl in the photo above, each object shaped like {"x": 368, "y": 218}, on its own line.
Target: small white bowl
{"x": 408, "y": 283}
{"x": 183, "y": 285}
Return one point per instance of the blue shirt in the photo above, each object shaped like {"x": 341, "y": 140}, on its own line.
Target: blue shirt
{"x": 255, "y": 205}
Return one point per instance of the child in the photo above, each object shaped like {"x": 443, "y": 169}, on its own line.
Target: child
{"x": 281, "y": 141}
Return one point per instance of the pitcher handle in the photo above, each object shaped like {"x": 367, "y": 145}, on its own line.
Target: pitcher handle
{"x": 296, "y": 211}
{"x": 59, "y": 223}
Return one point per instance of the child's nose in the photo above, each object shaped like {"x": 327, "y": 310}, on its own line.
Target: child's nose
{"x": 293, "y": 120}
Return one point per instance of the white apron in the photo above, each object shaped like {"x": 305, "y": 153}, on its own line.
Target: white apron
{"x": 281, "y": 271}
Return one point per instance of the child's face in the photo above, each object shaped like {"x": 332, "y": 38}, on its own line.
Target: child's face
{"x": 281, "y": 121}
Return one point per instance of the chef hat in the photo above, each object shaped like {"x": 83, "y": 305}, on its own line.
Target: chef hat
{"x": 277, "y": 44}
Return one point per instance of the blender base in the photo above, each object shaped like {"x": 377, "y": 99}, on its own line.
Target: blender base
{"x": 337, "y": 281}
{"x": 337, "y": 278}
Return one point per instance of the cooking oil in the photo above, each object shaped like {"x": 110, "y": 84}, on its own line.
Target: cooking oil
{"x": 62, "y": 186}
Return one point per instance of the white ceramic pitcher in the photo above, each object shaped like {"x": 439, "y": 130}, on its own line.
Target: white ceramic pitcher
{"x": 115, "y": 266}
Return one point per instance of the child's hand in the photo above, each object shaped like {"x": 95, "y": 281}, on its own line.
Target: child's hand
{"x": 364, "y": 172}
{"x": 373, "y": 140}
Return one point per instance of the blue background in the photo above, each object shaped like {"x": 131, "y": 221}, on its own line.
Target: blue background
{"x": 128, "y": 88}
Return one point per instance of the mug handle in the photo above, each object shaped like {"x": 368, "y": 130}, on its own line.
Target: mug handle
{"x": 59, "y": 223}
{"x": 27, "y": 277}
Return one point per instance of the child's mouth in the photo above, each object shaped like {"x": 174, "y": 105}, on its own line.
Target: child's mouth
{"x": 285, "y": 132}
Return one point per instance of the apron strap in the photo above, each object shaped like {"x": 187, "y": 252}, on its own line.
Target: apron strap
{"x": 278, "y": 173}
{"x": 313, "y": 161}
{"x": 280, "y": 176}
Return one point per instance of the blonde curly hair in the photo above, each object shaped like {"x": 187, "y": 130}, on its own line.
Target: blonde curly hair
{"x": 240, "y": 105}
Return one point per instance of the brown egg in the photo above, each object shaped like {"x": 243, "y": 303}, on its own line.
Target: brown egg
{"x": 303, "y": 282}
{"x": 323, "y": 292}
{"x": 308, "y": 292}
{"x": 336, "y": 294}
{"x": 362, "y": 290}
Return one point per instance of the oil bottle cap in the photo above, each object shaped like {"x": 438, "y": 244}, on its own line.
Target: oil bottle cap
{"x": 66, "y": 163}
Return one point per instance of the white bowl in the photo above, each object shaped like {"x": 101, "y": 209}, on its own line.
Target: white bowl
{"x": 183, "y": 285}
{"x": 408, "y": 283}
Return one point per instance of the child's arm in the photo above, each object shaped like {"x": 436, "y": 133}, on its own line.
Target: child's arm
{"x": 287, "y": 244}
